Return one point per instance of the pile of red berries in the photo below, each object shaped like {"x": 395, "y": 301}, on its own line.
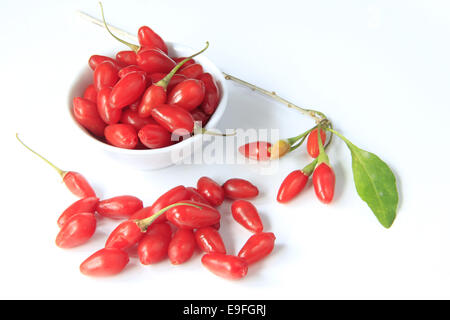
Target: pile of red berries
{"x": 178, "y": 222}
{"x": 140, "y": 98}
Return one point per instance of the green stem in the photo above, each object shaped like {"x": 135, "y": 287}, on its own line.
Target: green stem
{"x": 339, "y": 135}
{"x": 316, "y": 115}
{"x": 309, "y": 169}
{"x": 133, "y": 47}
{"x": 322, "y": 155}
{"x": 298, "y": 144}
{"x": 211, "y": 133}
{"x": 164, "y": 82}
{"x": 143, "y": 224}
{"x": 62, "y": 173}
{"x": 304, "y": 134}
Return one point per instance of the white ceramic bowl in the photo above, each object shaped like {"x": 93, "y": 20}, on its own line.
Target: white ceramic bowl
{"x": 151, "y": 159}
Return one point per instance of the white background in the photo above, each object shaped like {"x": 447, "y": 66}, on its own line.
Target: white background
{"x": 379, "y": 69}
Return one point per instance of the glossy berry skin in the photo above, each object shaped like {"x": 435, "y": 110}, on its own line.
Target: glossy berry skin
{"x": 186, "y": 64}
{"x": 174, "y": 195}
{"x": 209, "y": 240}
{"x": 247, "y": 215}
{"x": 176, "y": 79}
{"x": 105, "y": 75}
{"x": 77, "y": 230}
{"x": 128, "y": 90}
{"x": 324, "y": 181}
{"x": 86, "y": 114}
{"x": 225, "y": 266}
{"x": 188, "y": 94}
{"x": 188, "y": 217}
{"x": 182, "y": 246}
{"x": 105, "y": 262}
{"x": 312, "y": 144}
{"x": 128, "y": 69}
{"x": 119, "y": 207}
{"x": 240, "y": 189}
{"x": 108, "y": 114}
{"x": 200, "y": 116}
{"x": 195, "y": 196}
{"x": 148, "y": 38}
{"x": 211, "y": 191}
{"x": 134, "y": 106}
{"x": 212, "y": 94}
{"x": 96, "y": 59}
{"x": 90, "y": 93}
{"x": 121, "y": 135}
{"x": 258, "y": 150}
{"x": 154, "y": 61}
{"x": 153, "y": 96}
{"x": 192, "y": 71}
{"x": 124, "y": 236}
{"x": 173, "y": 118}
{"x": 132, "y": 117}
{"x": 257, "y": 247}
{"x": 88, "y": 204}
{"x": 78, "y": 185}
{"x": 154, "y": 136}
{"x": 154, "y": 244}
{"x": 126, "y": 58}
{"x": 291, "y": 186}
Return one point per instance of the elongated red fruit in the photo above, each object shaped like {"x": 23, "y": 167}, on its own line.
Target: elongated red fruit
{"x": 105, "y": 75}
{"x": 88, "y": 204}
{"x": 119, "y": 207}
{"x": 291, "y": 186}
{"x": 127, "y": 90}
{"x": 211, "y": 191}
{"x": 174, "y": 195}
{"x": 150, "y": 39}
{"x": 154, "y": 61}
{"x": 212, "y": 94}
{"x": 132, "y": 117}
{"x": 188, "y": 94}
{"x": 121, "y": 135}
{"x": 86, "y": 114}
{"x": 126, "y": 58}
{"x": 257, "y": 247}
{"x": 182, "y": 246}
{"x": 108, "y": 114}
{"x": 312, "y": 144}
{"x": 154, "y": 244}
{"x": 77, "y": 230}
{"x": 105, "y": 262}
{"x": 189, "y": 217}
{"x": 225, "y": 266}
{"x": 78, "y": 184}
{"x": 240, "y": 189}
{"x": 195, "y": 196}
{"x": 259, "y": 150}
{"x": 154, "y": 136}
{"x": 173, "y": 118}
{"x": 124, "y": 236}
{"x": 246, "y": 214}
{"x": 324, "y": 181}
{"x": 96, "y": 59}
{"x": 192, "y": 71}
{"x": 209, "y": 240}
{"x": 90, "y": 93}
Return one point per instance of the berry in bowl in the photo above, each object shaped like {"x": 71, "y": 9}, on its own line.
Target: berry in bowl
{"x": 142, "y": 105}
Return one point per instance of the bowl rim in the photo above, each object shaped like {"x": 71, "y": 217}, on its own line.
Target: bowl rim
{"x": 217, "y": 115}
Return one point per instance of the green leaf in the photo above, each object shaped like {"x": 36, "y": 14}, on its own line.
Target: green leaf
{"x": 375, "y": 183}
